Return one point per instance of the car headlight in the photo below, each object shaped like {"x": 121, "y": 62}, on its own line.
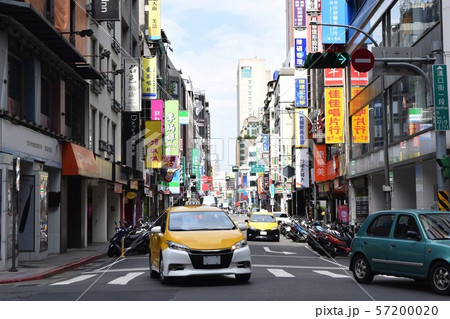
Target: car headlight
{"x": 177, "y": 246}
{"x": 275, "y": 228}
{"x": 239, "y": 244}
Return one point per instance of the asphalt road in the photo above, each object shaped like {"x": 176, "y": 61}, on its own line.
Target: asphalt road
{"x": 281, "y": 271}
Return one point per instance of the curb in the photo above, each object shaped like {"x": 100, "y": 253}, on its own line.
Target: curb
{"x": 54, "y": 271}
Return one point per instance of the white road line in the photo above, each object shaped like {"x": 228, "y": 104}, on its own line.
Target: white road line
{"x": 125, "y": 279}
{"x": 331, "y": 274}
{"x": 71, "y": 281}
{"x": 297, "y": 267}
{"x": 98, "y": 271}
{"x": 280, "y": 273}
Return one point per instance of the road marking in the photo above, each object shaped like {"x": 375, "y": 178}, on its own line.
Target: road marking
{"x": 280, "y": 273}
{"x": 331, "y": 274}
{"x": 73, "y": 280}
{"x": 278, "y": 252}
{"x": 297, "y": 267}
{"x": 125, "y": 279}
{"x": 99, "y": 271}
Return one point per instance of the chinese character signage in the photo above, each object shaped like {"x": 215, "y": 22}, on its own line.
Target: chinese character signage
{"x": 154, "y": 20}
{"x": 149, "y": 90}
{"x": 171, "y": 128}
{"x": 266, "y": 142}
{"x": 334, "y": 115}
{"x": 320, "y": 162}
{"x": 195, "y": 162}
{"x": 170, "y": 161}
{"x": 334, "y": 77}
{"x": 358, "y": 78}
{"x": 299, "y": 14}
{"x": 300, "y": 51}
{"x": 334, "y": 12}
{"x": 132, "y": 90}
{"x": 301, "y": 168}
{"x": 153, "y": 143}
{"x": 183, "y": 117}
{"x": 360, "y": 126}
{"x": 441, "y": 106}
{"x": 301, "y": 127}
{"x": 301, "y": 92}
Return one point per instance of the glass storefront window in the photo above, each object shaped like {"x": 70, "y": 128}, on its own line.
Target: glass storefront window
{"x": 410, "y": 19}
{"x": 410, "y": 113}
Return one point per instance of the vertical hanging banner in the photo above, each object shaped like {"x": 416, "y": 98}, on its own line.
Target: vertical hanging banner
{"x": 334, "y": 115}
{"x": 301, "y": 127}
{"x": 171, "y": 127}
{"x": 183, "y": 117}
{"x": 149, "y": 90}
{"x": 334, "y": 12}
{"x": 301, "y": 92}
{"x": 195, "y": 163}
{"x": 301, "y": 168}
{"x": 153, "y": 144}
{"x": 266, "y": 141}
{"x": 299, "y": 14}
{"x": 106, "y": 10}
{"x": 360, "y": 126}
{"x": 130, "y": 137}
{"x": 154, "y": 20}
{"x": 157, "y": 112}
{"x": 300, "y": 51}
{"x": 320, "y": 162}
{"x": 132, "y": 89}
{"x": 441, "y": 104}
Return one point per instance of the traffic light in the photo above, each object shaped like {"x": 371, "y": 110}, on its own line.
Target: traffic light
{"x": 327, "y": 60}
{"x": 444, "y": 163}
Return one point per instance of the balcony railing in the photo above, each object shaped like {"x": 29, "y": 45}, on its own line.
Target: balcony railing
{"x": 115, "y": 106}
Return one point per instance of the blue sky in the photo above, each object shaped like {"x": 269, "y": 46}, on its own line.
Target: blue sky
{"x": 208, "y": 38}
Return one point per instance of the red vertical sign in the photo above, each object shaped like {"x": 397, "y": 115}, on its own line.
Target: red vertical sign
{"x": 320, "y": 162}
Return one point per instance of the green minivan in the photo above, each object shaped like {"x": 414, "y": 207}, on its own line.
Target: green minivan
{"x": 404, "y": 243}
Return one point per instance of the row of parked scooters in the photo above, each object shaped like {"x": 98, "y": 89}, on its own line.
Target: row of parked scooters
{"x": 129, "y": 240}
{"x": 331, "y": 240}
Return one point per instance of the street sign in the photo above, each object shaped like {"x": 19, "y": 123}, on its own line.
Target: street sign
{"x": 363, "y": 60}
{"x": 441, "y": 108}
{"x": 257, "y": 169}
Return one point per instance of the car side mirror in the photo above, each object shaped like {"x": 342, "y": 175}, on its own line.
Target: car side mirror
{"x": 246, "y": 220}
{"x": 413, "y": 234}
{"x": 242, "y": 226}
{"x": 156, "y": 229}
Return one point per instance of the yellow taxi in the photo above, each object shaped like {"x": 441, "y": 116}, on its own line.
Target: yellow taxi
{"x": 263, "y": 225}
{"x": 196, "y": 240}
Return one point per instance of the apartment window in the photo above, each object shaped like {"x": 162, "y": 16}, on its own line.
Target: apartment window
{"x": 15, "y": 80}
{"x": 246, "y": 72}
{"x": 92, "y": 126}
{"x": 100, "y": 125}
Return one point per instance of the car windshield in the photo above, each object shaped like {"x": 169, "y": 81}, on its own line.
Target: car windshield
{"x": 263, "y": 218}
{"x": 437, "y": 226}
{"x": 187, "y": 221}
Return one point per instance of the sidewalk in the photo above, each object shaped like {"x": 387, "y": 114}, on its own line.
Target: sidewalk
{"x": 54, "y": 264}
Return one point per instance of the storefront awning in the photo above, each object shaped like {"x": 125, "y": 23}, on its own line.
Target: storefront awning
{"x": 78, "y": 161}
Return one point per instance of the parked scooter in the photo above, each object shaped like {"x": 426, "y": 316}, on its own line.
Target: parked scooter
{"x": 336, "y": 241}
{"x": 297, "y": 233}
{"x": 135, "y": 240}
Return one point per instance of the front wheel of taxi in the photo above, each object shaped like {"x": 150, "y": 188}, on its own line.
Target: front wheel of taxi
{"x": 242, "y": 277}
{"x": 164, "y": 279}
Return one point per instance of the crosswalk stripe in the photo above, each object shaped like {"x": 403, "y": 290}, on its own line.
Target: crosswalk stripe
{"x": 123, "y": 280}
{"x": 331, "y": 274}
{"x": 71, "y": 281}
{"x": 280, "y": 272}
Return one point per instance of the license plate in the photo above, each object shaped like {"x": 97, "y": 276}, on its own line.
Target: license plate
{"x": 263, "y": 232}
{"x": 211, "y": 260}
